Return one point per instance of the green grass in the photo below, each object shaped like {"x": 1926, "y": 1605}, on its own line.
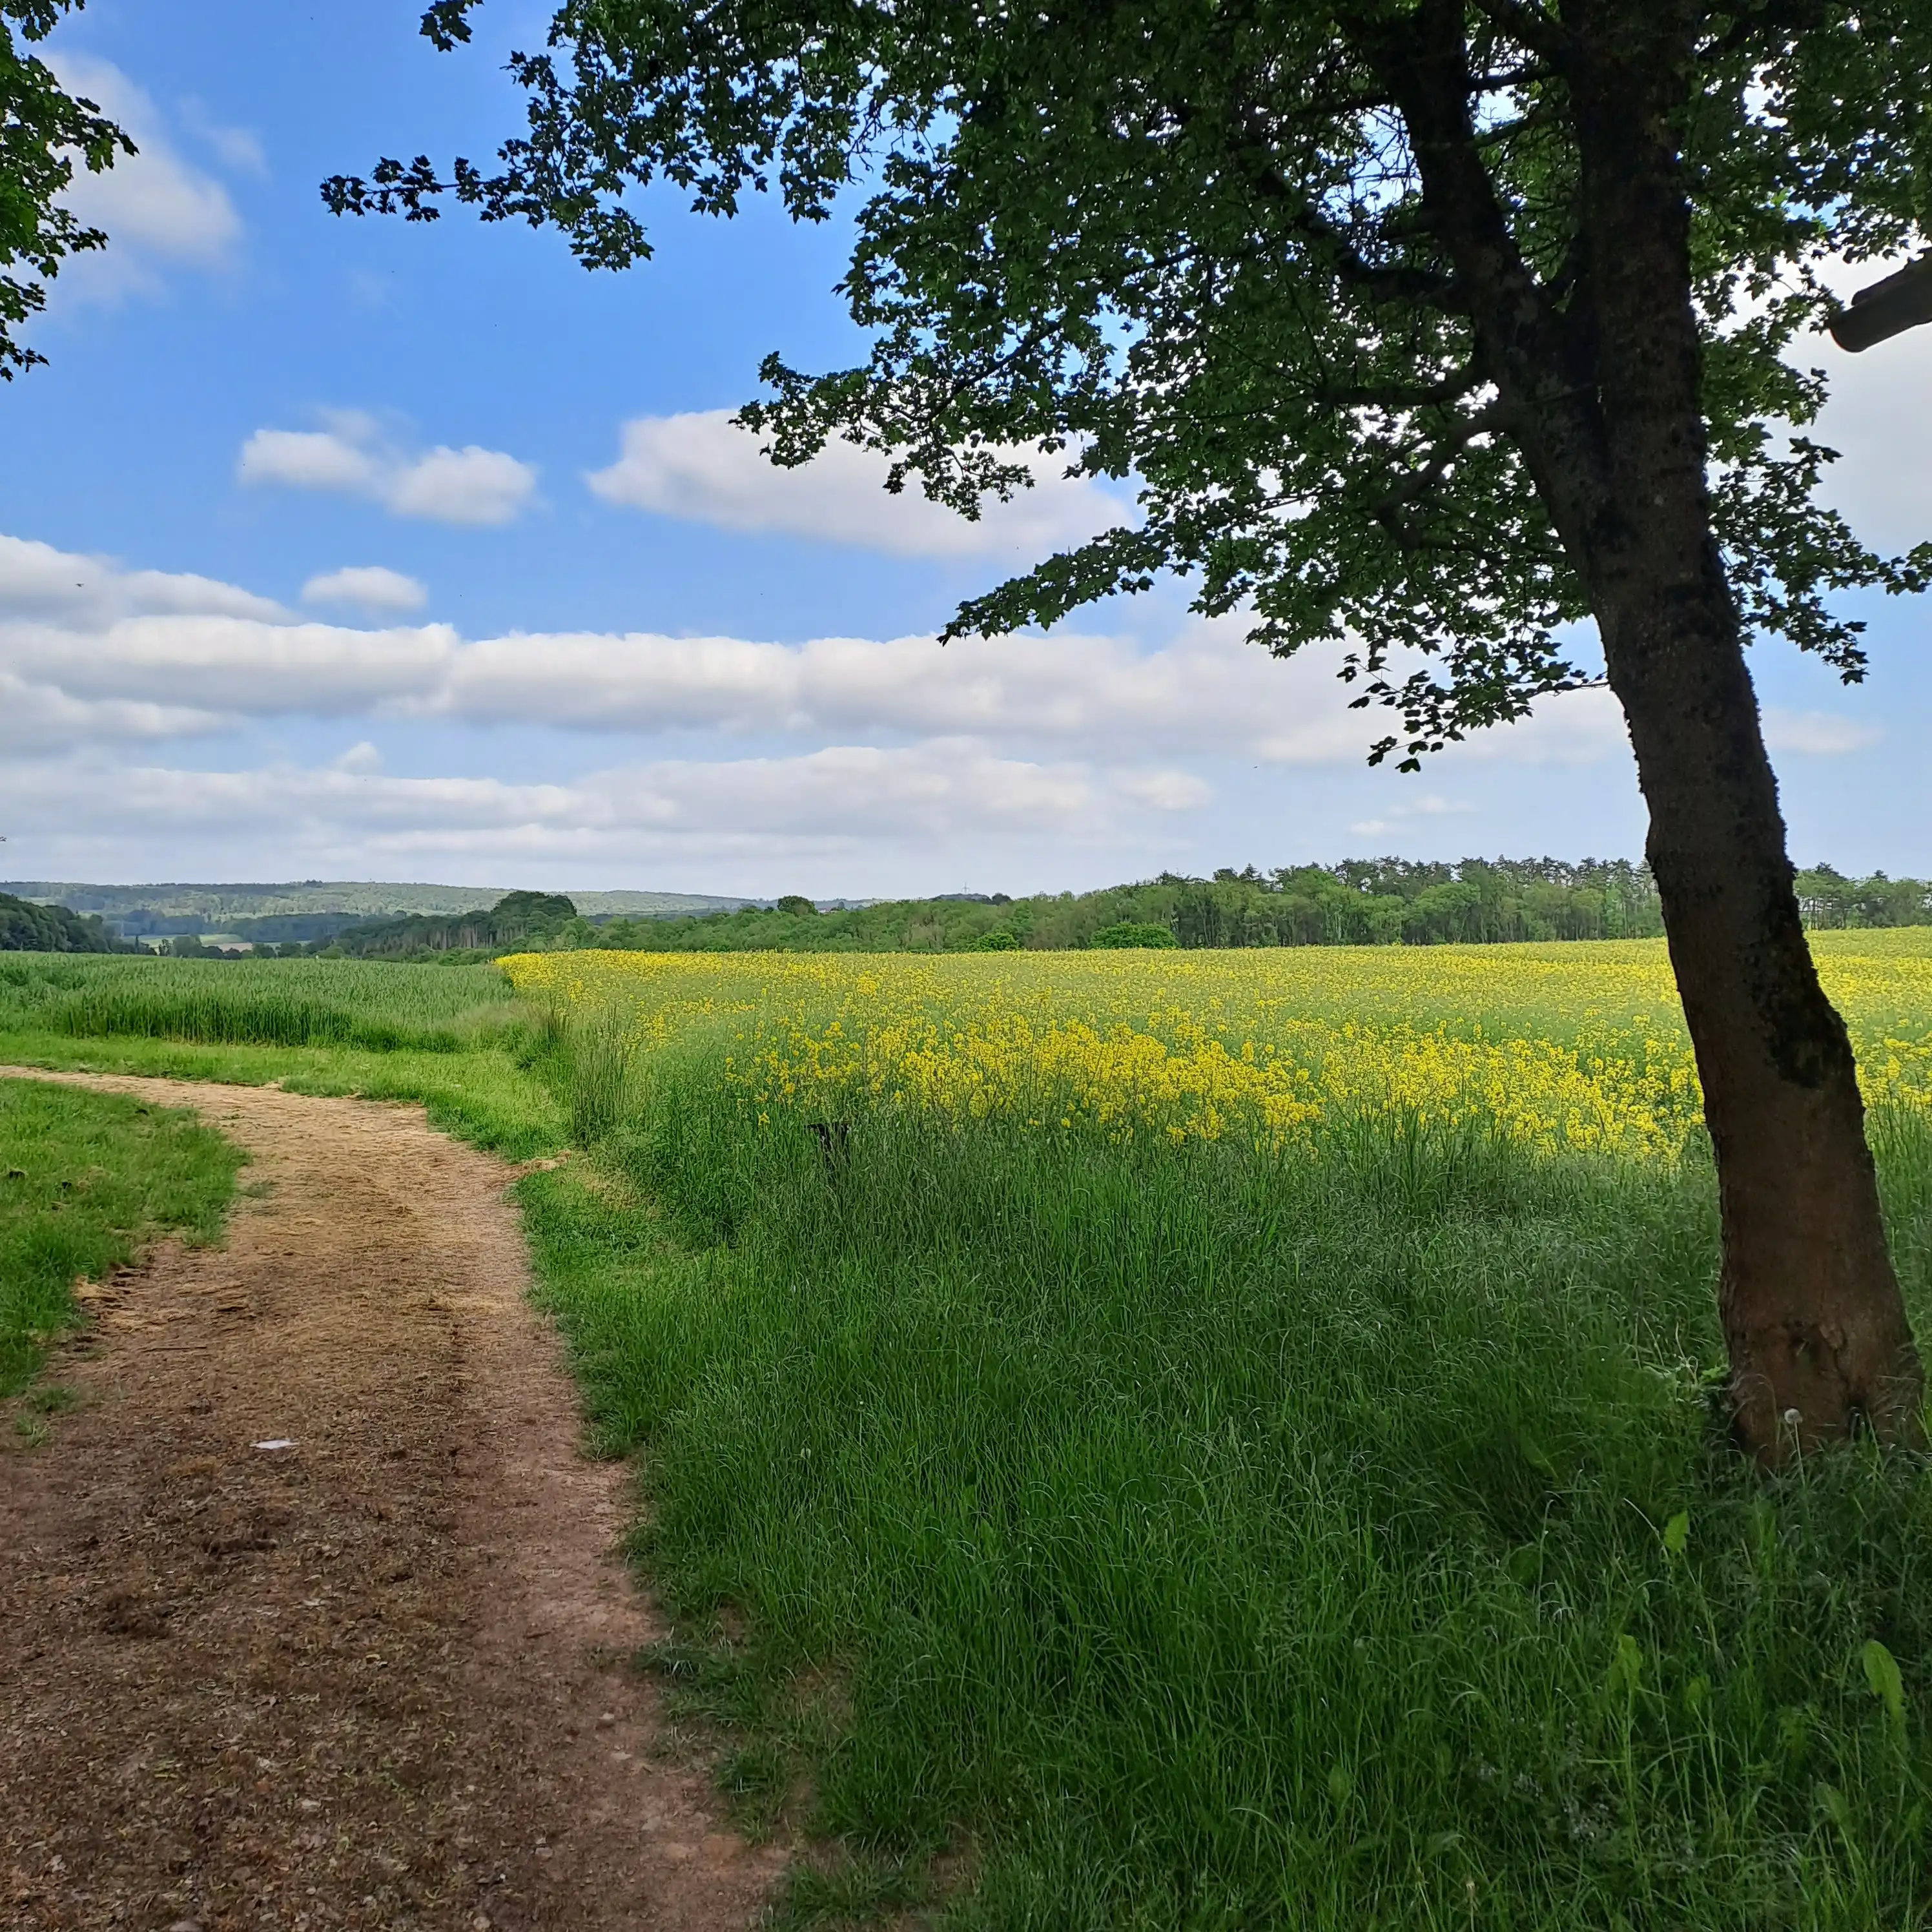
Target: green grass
{"x": 1198, "y": 1540}
{"x": 454, "y": 1038}
{"x": 88, "y": 1179}
{"x": 1090, "y": 1537}
{"x": 331, "y": 1002}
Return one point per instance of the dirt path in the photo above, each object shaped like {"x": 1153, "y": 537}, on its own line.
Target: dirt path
{"x": 375, "y": 1679}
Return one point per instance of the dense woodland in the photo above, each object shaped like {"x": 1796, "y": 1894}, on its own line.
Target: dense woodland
{"x": 1356, "y": 902}
{"x": 26, "y": 927}
{"x": 1380, "y": 901}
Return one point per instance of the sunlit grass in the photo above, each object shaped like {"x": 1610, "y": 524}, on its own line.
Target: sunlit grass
{"x": 1329, "y": 1529}
{"x": 85, "y": 1181}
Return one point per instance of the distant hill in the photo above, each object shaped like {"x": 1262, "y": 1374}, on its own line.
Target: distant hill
{"x": 313, "y": 910}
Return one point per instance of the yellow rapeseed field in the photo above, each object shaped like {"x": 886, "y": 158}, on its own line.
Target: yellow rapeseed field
{"x": 1570, "y": 1046}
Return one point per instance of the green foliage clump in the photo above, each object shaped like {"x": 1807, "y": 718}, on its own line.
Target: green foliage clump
{"x": 1126, "y": 934}
{"x": 1828, "y": 898}
{"x": 89, "y": 1178}
{"x": 44, "y": 131}
{"x": 26, "y": 927}
{"x": 516, "y": 920}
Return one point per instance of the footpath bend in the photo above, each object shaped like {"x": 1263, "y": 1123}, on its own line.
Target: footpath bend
{"x": 378, "y": 1676}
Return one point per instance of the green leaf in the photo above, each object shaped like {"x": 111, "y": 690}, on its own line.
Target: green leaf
{"x": 1881, "y": 1676}
{"x": 1831, "y": 1802}
{"x": 1626, "y": 1665}
{"x": 1677, "y": 1533}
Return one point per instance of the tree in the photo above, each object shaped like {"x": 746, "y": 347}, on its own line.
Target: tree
{"x": 42, "y": 130}
{"x": 1426, "y": 328}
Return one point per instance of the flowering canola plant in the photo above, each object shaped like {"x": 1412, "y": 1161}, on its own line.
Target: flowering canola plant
{"x": 1575, "y": 1046}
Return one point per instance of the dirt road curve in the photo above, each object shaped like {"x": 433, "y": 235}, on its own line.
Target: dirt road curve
{"x": 373, "y": 1680}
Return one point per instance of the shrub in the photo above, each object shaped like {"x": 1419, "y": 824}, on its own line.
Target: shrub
{"x": 1114, "y": 938}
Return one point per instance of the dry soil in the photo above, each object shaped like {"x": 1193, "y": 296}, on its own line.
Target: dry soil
{"x": 378, "y": 1677}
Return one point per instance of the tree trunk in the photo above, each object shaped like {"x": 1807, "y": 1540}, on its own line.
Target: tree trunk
{"x": 1602, "y": 395}
{"x": 1820, "y": 1345}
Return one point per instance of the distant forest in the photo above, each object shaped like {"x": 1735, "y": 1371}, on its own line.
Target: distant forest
{"x": 26, "y": 927}
{"x": 1357, "y": 902}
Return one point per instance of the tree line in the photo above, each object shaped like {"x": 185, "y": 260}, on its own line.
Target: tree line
{"x": 1384, "y": 902}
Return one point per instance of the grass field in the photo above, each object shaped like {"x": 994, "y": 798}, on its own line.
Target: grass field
{"x": 1198, "y": 1441}
{"x": 1227, "y": 1440}
{"x": 455, "y": 1038}
{"x": 90, "y": 1178}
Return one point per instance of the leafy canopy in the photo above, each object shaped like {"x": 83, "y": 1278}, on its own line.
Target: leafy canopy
{"x": 43, "y": 131}
{"x": 1191, "y": 242}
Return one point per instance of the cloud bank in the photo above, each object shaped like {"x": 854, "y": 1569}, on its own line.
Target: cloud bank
{"x": 706, "y": 751}
{"x": 351, "y": 457}
{"x": 699, "y": 467}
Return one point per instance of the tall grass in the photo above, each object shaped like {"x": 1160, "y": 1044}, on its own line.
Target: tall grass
{"x": 455, "y": 1038}
{"x": 374, "y": 1007}
{"x": 1201, "y": 1539}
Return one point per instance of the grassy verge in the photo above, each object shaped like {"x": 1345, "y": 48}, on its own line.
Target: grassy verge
{"x": 89, "y": 1179}
{"x": 486, "y": 1095}
{"x": 1186, "y": 1539}
{"x": 454, "y": 1038}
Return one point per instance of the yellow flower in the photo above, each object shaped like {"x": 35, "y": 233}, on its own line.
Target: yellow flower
{"x": 1552, "y": 1048}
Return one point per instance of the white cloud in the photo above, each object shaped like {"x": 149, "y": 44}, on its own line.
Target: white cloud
{"x": 699, "y": 467}
{"x": 352, "y": 815}
{"x": 368, "y": 586}
{"x": 308, "y": 460}
{"x": 80, "y": 625}
{"x": 238, "y": 149}
{"x": 350, "y": 457}
{"x": 1205, "y": 690}
{"x": 1819, "y": 734}
{"x": 1404, "y": 814}
{"x": 1166, "y": 791}
{"x": 37, "y": 719}
{"x": 60, "y": 586}
{"x": 470, "y": 485}
{"x": 158, "y": 209}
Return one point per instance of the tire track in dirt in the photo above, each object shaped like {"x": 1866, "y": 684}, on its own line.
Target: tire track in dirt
{"x": 377, "y": 1679}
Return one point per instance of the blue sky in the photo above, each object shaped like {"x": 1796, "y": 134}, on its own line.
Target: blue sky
{"x": 340, "y": 549}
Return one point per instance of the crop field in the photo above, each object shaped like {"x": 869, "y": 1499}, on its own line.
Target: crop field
{"x": 1572, "y": 1048}
{"x": 1235, "y": 1433}
{"x": 1186, "y": 1440}
{"x": 266, "y": 1002}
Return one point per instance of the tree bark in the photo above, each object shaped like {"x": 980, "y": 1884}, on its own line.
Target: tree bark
{"x": 1818, "y": 1343}
{"x": 1603, "y": 395}
{"x": 1814, "y": 1325}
